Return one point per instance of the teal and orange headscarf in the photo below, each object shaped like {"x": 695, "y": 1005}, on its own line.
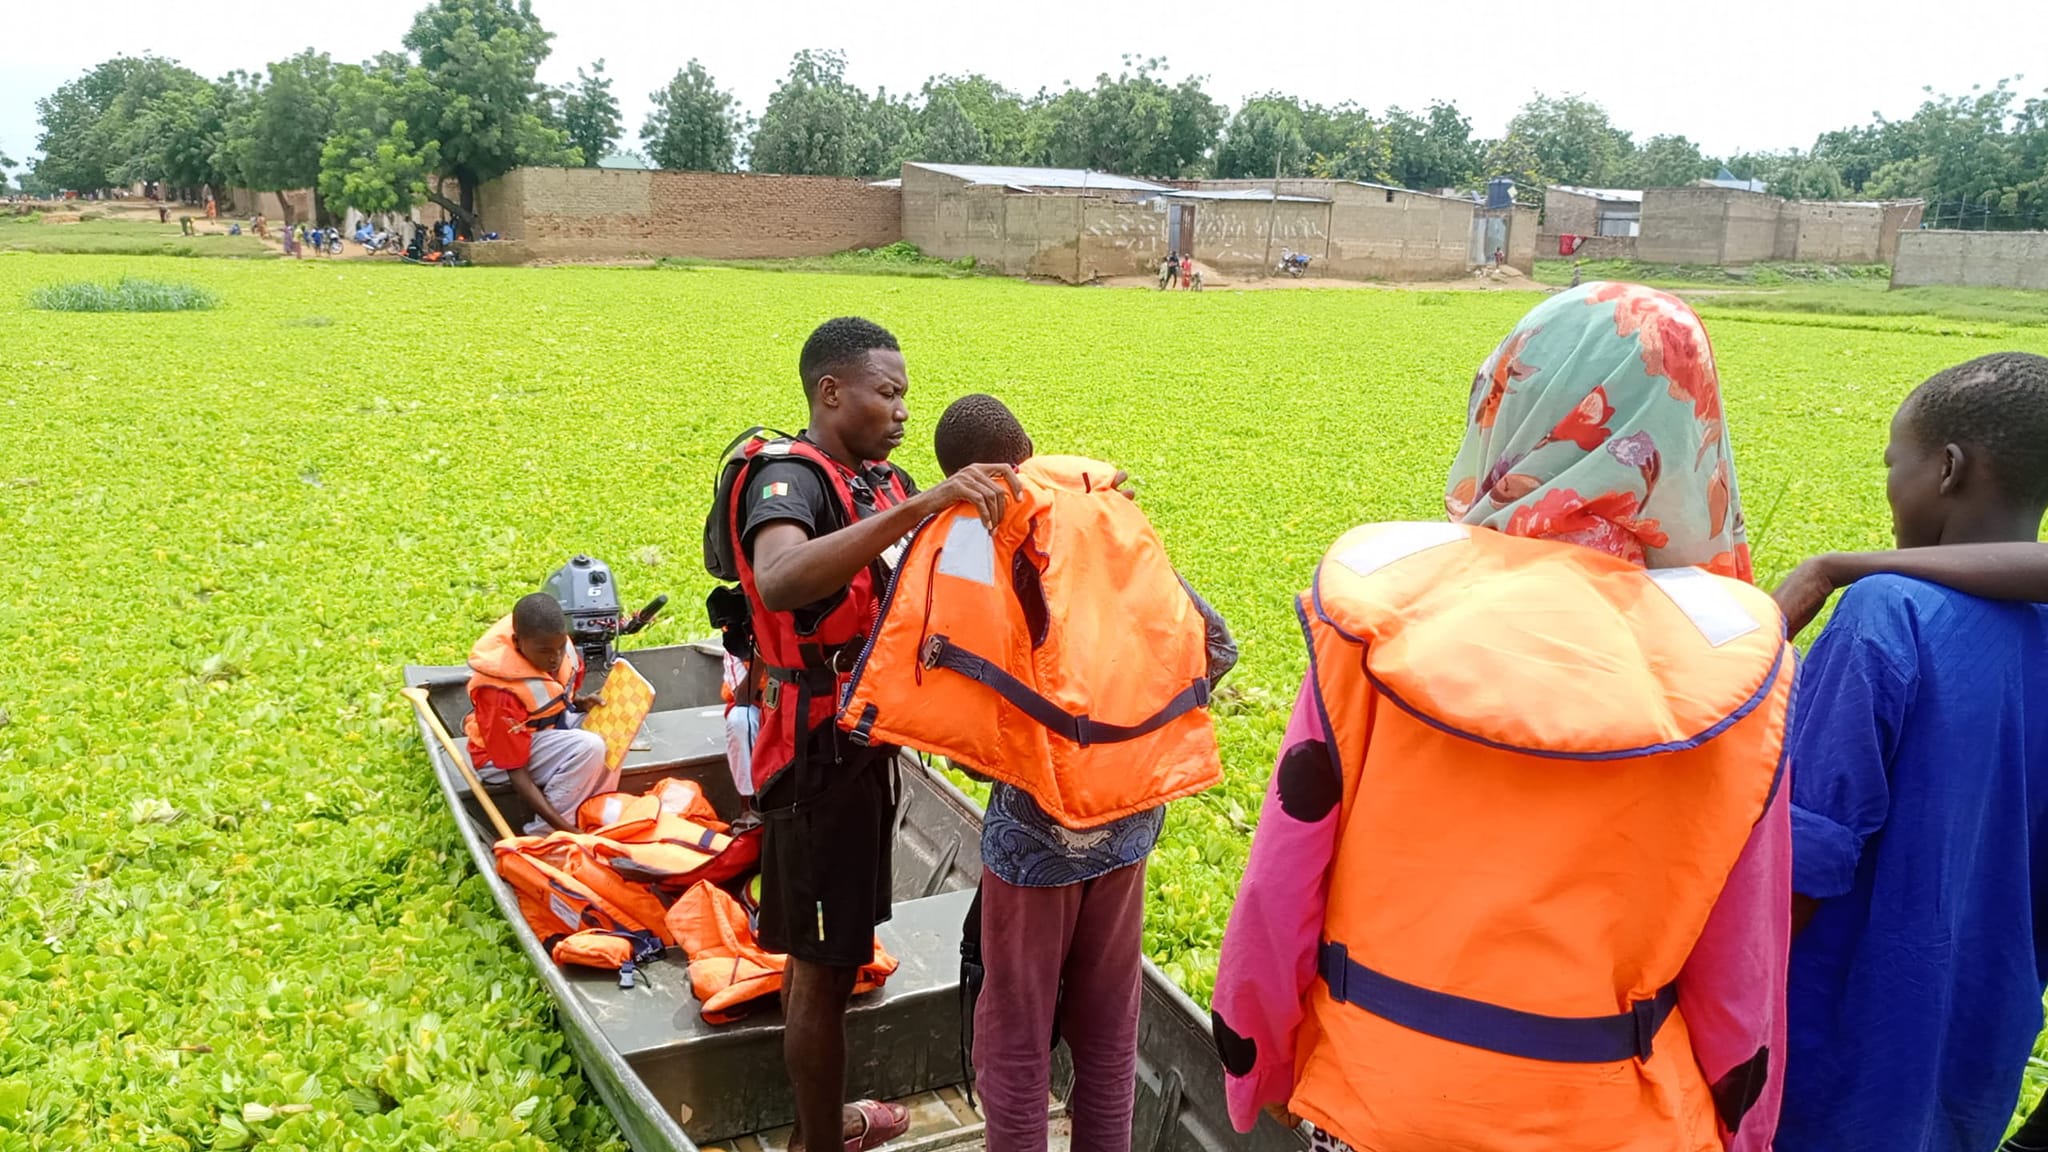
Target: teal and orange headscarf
{"x": 1598, "y": 422}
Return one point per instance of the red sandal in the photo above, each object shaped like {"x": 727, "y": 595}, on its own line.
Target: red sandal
{"x": 880, "y": 1123}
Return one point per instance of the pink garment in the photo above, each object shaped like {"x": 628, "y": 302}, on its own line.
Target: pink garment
{"x": 1732, "y": 989}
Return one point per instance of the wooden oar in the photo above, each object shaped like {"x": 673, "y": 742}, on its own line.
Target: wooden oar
{"x": 418, "y": 696}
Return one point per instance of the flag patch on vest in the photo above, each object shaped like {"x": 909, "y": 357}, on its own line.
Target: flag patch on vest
{"x": 772, "y": 490}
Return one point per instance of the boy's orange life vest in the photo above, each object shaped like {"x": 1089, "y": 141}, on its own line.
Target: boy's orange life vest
{"x": 495, "y": 662}
{"x": 1550, "y": 761}
{"x": 729, "y": 970}
{"x": 1062, "y": 655}
{"x": 567, "y": 882}
{"x": 803, "y": 670}
{"x": 620, "y": 811}
{"x": 611, "y": 950}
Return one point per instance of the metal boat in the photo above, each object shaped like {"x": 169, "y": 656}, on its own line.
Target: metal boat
{"x": 675, "y": 1083}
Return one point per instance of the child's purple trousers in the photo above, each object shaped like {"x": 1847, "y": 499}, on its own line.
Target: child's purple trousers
{"x": 1091, "y": 936}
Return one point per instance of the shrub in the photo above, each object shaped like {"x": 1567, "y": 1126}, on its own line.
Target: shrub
{"x": 128, "y": 295}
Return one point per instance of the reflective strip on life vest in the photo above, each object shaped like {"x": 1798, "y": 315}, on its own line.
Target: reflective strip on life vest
{"x": 1081, "y": 730}
{"x": 1477, "y": 1024}
{"x": 1720, "y": 617}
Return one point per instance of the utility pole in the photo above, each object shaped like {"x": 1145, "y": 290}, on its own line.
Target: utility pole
{"x": 1273, "y": 205}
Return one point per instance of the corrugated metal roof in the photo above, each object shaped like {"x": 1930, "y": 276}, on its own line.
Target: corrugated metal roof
{"x": 624, "y": 161}
{"x": 1025, "y": 178}
{"x": 1263, "y": 195}
{"x": 1614, "y": 195}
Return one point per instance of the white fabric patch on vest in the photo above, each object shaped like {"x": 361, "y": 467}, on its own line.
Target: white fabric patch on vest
{"x": 1714, "y": 610}
{"x": 564, "y": 912}
{"x": 1399, "y": 542}
{"x": 613, "y": 806}
{"x": 968, "y": 553}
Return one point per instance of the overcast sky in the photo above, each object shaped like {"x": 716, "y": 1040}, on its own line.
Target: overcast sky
{"x": 1735, "y": 75}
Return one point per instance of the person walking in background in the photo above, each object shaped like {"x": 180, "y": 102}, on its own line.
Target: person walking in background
{"x": 1187, "y": 271}
{"x": 1523, "y": 872}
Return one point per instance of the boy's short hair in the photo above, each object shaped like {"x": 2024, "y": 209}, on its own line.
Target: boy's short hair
{"x": 835, "y": 345}
{"x": 1998, "y": 404}
{"x": 979, "y": 429}
{"x": 539, "y": 614}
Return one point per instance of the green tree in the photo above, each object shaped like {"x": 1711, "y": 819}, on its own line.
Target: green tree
{"x": 375, "y": 162}
{"x": 1003, "y": 122}
{"x": 890, "y": 134}
{"x": 815, "y": 122}
{"x": 1570, "y": 141}
{"x": 279, "y": 127}
{"x": 1134, "y": 124}
{"x": 1433, "y": 150}
{"x": 694, "y": 127}
{"x": 78, "y": 138}
{"x": 1266, "y": 131}
{"x": 7, "y": 166}
{"x": 950, "y": 135}
{"x": 174, "y": 138}
{"x": 590, "y": 115}
{"x": 1666, "y": 162}
{"x": 479, "y": 106}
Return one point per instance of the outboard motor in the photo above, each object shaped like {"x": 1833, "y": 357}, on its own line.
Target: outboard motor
{"x": 590, "y": 599}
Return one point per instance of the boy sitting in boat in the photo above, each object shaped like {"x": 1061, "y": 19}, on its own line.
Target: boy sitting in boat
{"x": 523, "y": 726}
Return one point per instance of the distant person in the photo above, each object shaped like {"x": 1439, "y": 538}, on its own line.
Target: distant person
{"x": 261, "y": 226}
{"x": 163, "y": 213}
{"x": 1500, "y": 257}
{"x": 447, "y": 234}
{"x": 1167, "y": 268}
{"x": 185, "y": 227}
{"x": 212, "y": 209}
{"x": 1505, "y": 895}
{"x": 1062, "y": 908}
{"x": 1575, "y": 273}
{"x": 525, "y": 685}
{"x": 1187, "y": 272}
{"x": 1920, "y": 800}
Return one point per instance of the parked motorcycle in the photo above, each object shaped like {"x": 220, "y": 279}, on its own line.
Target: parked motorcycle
{"x": 1293, "y": 263}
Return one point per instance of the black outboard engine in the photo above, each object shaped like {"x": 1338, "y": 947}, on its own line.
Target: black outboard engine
{"x": 590, "y": 599}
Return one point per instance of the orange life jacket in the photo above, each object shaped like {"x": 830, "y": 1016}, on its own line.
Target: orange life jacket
{"x": 567, "y": 882}
{"x": 1550, "y": 762}
{"x": 616, "y": 815}
{"x": 667, "y": 838}
{"x": 729, "y": 970}
{"x": 1062, "y": 654}
{"x": 495, "y": 662}
{"x": 611, "y": 950}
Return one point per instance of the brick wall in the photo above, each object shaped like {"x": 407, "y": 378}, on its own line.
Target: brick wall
{"x": 605, "y": 214}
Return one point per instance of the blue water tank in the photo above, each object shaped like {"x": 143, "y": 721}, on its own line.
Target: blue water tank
{"x": 1500, "y": 192}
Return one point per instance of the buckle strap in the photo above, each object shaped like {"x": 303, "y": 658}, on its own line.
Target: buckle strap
{"x": 939, "y": 652}
{"x": 1476, "y": 1024}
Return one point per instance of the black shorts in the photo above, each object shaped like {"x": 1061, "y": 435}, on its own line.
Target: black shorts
{"x": 826, "y": 853}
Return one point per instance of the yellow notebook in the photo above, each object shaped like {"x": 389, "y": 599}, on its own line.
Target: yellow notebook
{"x": 628, "y": 698}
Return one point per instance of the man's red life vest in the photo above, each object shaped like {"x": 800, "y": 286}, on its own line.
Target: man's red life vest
{"x": 803, "y": 670}
{"x": 1060, "y": 654}
{"x": 1550, "y": 761}
{"x": 495, "y": 662}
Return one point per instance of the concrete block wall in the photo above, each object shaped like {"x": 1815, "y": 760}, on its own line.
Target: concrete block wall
{"x": 1831, "y": 233}
{"x": 1405, "y": 237}
{"x": 1899, "y": 217}
{"x": 1975, "y": 259}
{"x": 597, "y": 213}
{"x": 1230, "y": 235}
{"x": 1569, "y": 214}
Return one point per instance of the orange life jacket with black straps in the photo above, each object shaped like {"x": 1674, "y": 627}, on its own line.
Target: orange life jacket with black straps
{"x": 565, "y": 884}
{"x": 610, "y": 949}
{"x": 802, "y": 670}
{"x": 1060, "y": 654}
{"x": 1550, "y": 761}
{"x": 729, "y": 970}
{"x": 495, "y": 662}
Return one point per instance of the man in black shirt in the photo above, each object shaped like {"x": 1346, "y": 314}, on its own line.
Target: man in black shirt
{"x": 820, "y": 532}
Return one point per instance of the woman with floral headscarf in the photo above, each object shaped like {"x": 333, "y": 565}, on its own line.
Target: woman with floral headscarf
{"x": 1596, "y": 424}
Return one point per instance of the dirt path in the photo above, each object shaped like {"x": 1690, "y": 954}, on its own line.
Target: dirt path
{"x": 1481, "y": 280}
